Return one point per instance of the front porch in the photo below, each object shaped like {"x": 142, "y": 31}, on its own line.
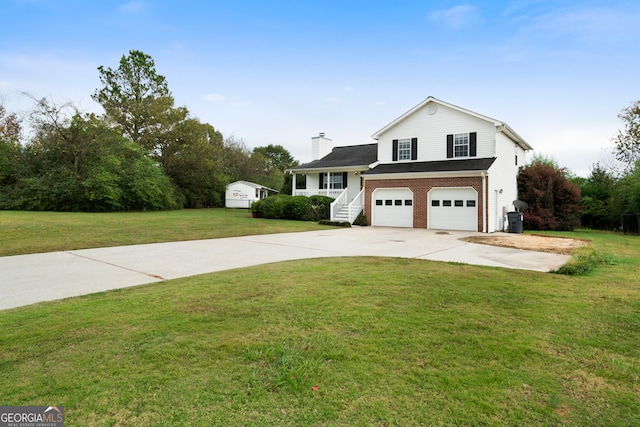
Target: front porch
{"x": 343, "y": 208}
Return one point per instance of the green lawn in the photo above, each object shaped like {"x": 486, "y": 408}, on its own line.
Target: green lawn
{"x": 342, "y": 341}
{"x": 31, "y": 232}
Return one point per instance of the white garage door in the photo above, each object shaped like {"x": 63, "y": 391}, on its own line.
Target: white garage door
{"x": 453, "y": 209}
{"x": 392, "y": 207}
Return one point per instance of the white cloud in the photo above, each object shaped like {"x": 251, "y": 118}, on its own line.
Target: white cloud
{"x": 603, "y": 24}
{"x": 349, "y": 89}
{"x": 214, "y": 97}
{"x": 132, "y": 8}
{"x": 379, "y": 104}
{"x": 456, "y": 17}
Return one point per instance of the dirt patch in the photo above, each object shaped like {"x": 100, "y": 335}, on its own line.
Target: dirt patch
{"x": 530, "y": 242}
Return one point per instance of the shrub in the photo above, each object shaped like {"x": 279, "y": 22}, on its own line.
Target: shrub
{"x": 554, "y": 201}
{"x": 297, "y": 208}
{"x": 345, "y": 224}
{"x": 582, "y": 261}
{"x": 361, "y": 219}
{"x": 300, "y": 208}
{"x": 320, "y": 207}
{"x": 272, "y": 207}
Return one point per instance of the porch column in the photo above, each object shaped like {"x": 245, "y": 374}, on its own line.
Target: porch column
{"x": 294, "y": 183}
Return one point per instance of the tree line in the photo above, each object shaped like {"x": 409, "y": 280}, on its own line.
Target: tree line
{"x": 142, "y": 153}
{"x": 559, "y": 201}
{"x": 146, "y": 153}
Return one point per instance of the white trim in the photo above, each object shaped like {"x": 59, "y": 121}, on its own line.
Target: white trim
{"x": 422, "y": 175}
{"x": 484, "y": 212}
{"x": 360, "y": 168}
{"x": 500, "y": 126}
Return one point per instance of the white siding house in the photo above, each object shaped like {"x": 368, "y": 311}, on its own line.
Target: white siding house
{"x": 241, "y": 194}
{"x": 437, "y": 166}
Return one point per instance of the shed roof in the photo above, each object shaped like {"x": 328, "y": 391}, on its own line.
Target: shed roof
{"x": 252, "y": 184}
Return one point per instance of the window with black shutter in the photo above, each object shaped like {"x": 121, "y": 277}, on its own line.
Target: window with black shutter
{"x": 405, "y": 149}
{"x": 462, "y": 145}
{"x": 449, "y": 146}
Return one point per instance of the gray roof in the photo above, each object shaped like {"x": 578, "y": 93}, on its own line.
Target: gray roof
{"x": 438, "y": 166}
{"x": 350, "y": 156}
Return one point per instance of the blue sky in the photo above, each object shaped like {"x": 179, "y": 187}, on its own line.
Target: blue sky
{"x": 279, "y": 72}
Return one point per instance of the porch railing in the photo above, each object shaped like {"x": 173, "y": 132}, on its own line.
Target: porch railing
{"x": 340, "y": 202}
{"x": 333, "y": 193}
{"x": 342, "y": 208}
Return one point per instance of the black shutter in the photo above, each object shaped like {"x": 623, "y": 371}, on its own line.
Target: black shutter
{"x": 344, "y": 179}
{"x": 472, "y": 144}
{"x": 414, "y": 148}
{"x": 321, "y": 181}
{"x": 395, "y": 150}
{"x": 449, "y": 146}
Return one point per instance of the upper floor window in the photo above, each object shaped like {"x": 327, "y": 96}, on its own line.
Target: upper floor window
{"x": 405, "y": 149}
{"x": 461, "y": 145}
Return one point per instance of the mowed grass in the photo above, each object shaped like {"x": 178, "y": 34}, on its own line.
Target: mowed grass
{"x": 34, "y": 232}
{"x": 342, "y": 341}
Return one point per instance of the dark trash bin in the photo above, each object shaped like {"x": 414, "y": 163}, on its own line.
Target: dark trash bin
{"x": 516, "y": 222}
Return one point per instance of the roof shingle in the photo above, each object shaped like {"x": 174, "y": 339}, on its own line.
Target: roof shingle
{"x": 481, "y": 164}
{"x": 349, "y": 156}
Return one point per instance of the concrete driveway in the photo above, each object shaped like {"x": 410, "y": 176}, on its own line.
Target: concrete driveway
{"x": 27, "y": 279}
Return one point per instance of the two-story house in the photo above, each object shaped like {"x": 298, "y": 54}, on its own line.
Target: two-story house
{"x": 437, "y": 166}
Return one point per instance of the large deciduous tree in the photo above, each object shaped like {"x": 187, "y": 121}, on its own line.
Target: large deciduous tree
{"x": 193, "y": 160}
{"x": 554, "y": 201}
{"x": 627, "y": 142}
{"x": 75, "y": 162}
{"x": 277, "y": 159}
{"x": 10, "y": 150}
{"x": 600, "y": 204}
{"x": 137, "y": 99}
{"x": 629, "y": 191}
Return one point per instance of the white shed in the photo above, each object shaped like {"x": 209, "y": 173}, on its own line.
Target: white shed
{"x": 241, "y": 194}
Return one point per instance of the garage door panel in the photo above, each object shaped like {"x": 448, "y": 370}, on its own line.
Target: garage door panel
{"x": 453, "y": 209}
{"x": 392, "y": 207}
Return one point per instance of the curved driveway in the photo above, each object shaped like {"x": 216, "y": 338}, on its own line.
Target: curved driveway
{"x": 27, "y": 279}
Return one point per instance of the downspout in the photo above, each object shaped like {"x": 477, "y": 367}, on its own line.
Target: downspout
{"x": 484, "y": 201}
{"x": 496, "y": 212}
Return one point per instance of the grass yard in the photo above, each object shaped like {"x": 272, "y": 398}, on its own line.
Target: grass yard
{"x": 342, "y": 341}
{"x": 33, "y": 232}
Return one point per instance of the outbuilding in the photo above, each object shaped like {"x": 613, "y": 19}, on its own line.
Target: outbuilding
{"x": 241, "y": 194}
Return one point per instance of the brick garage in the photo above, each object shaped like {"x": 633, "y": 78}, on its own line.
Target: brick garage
{"x": 420, "y": 187}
